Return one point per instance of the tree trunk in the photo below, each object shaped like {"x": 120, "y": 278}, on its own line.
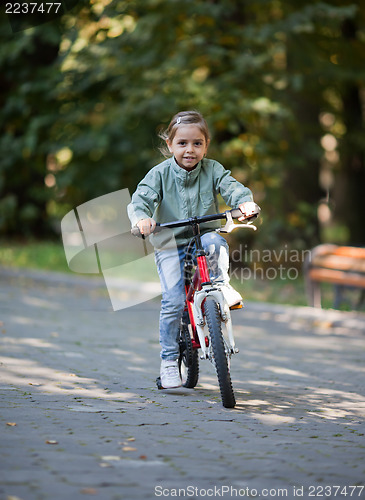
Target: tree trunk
{"x": 351, "y": 180}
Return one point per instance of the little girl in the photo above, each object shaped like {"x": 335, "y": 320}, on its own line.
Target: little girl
{"x": 185, "y": 185}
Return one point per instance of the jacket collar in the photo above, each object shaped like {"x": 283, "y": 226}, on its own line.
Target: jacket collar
{"x": 184, "y": 174}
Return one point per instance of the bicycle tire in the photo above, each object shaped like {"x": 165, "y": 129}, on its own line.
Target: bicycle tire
{"x": 188, "y": 358}
{"x": 213, "y": 320}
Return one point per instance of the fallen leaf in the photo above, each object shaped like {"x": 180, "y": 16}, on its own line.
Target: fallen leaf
{"x": 323, "y": 323}
{"x": 3, "y": 331}
{"x": 11, "y": 424}
{"x": 129, "y": 448}
{"x": 89, "y": 491}
{"x": 143, "y": 457}
{"x": 51, "y": 441}
{"x": 110, "y": 458}
{"x": 128, "y": 440}
{"x": 12, "y": 497}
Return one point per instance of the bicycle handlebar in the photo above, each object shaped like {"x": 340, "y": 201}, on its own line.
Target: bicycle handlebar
{"x": 235, "y": 213}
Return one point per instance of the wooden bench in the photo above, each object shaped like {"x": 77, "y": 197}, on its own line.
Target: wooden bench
{"x": 342, "y": 266}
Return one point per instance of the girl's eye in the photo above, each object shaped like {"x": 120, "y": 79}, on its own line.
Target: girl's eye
{"x": 183, "y": 143}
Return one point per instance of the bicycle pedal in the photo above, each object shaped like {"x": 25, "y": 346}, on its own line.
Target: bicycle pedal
{"x": 236, "y": 306}
{"x": 158, "y": 383}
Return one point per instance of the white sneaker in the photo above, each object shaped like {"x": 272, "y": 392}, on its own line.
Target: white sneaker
{"x": 169, "y": 374}
{"x": 233, "y": 298}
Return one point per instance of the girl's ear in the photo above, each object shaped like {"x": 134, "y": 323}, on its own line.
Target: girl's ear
{"x": 168, "y": 143}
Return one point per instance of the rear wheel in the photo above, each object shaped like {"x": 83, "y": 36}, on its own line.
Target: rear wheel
{"x": 220, "y": 356}
{"x": 188, "y": 359}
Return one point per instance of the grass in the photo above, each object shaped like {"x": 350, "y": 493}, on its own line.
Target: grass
{"x": 50, "y": 256}
{"x": 45, "y": 255}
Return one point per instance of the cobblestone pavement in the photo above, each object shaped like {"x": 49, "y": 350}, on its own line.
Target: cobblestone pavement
{"x": 81, "y": 416}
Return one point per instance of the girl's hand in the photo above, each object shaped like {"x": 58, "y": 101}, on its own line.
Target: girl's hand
{"x": 247, "y": 208}
{"x": 146, "y": 226}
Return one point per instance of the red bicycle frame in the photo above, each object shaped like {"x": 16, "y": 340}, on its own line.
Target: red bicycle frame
{"x": 201, "y": 276}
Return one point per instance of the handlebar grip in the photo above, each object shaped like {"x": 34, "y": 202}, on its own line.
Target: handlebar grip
{"x": 236, "y": 212}
{"x": 136, "y": 232}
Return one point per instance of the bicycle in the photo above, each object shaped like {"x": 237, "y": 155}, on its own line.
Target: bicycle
{"x": 205, "y": 306}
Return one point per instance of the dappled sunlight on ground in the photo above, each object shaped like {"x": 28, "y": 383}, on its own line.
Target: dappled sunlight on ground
{"x": 29, "y": 375}
{"x": 286, "y": 371}
{"x": 313, "y": 404}
{"x": 273, "y": 419}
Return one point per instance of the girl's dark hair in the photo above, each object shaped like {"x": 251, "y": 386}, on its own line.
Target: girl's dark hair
{"x": 183, "y": 118}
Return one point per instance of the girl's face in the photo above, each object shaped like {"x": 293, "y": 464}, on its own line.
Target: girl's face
{"x": 188, "y": 146}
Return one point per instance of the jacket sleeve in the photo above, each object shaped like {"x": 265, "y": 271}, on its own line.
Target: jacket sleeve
{"x": 233, "y": 192}
{"x": 146, "y": 198}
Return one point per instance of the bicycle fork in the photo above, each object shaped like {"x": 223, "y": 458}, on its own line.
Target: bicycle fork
{"x": 225, "y": 314}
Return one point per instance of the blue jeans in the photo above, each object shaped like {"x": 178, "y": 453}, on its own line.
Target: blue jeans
{"x": 170, "y": 265}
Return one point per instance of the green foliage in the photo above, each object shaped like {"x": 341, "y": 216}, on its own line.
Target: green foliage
{"x": 29, "y": 70}
{"x": 43, "y": 255}
{"x": 83, "y": 102}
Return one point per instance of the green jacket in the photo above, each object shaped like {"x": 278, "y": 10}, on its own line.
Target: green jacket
{"x": 168, "y": 193}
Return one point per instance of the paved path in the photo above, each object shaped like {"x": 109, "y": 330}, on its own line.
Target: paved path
{"x": 81, "y": 416}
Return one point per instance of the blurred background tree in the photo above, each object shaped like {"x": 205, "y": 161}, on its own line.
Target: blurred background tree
{"x": 281, "y": 84}
{"x": 29, "y": 72}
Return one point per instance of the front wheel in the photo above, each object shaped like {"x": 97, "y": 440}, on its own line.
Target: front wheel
{"x": 220, "y": 356}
